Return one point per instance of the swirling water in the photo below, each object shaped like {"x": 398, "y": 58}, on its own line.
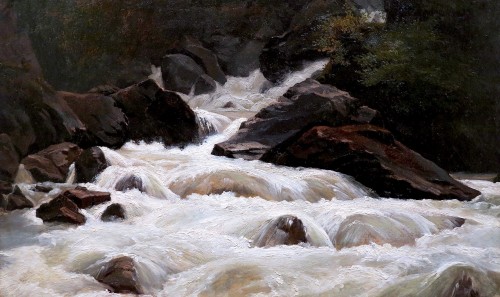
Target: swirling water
{"x": 192, "y": 231}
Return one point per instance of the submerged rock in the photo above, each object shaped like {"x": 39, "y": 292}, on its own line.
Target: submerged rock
{"x": 84, "y": 198}
{"x": 284, "y": 230}
{"x": 113, "y": 212}
{"x": 374, "y": 158}
{"x": 464, "y": 288}
{"x": 129, "y": 182}
{"x": 395, "y": 229}
{"x": 307, "y": 103}
{"x": 120, "y": 274}
{"x": 90, "y": 163}
{"x": 52, "y": 164}
{"x": 155, "y": 114}
{"x": 60, "y": 209}
{"x": 17, "y": 200}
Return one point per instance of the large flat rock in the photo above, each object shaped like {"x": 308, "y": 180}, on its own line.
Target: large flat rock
{"x": 374, "y": 158}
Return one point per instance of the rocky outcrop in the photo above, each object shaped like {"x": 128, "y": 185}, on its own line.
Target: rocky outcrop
{"x": 120, "y": 274}
{"x": 306, "y": 104}
{"x": 60, "y": 209}
{"x": 113, "y": 212}
{"x": 90, "y": 163}
{"x": 204, "y": 57}
{"x": 17, "y": 200}
{"x": 129, "y": 182}
{"x": 374, "y": 158}
{"x": 181, "y": 73}
{"x": 155, "y": 114}
{"x": 31, "y": 117}
{"x": 52, "y": 163}
{"x": 105, "y": 124}
{"x": 84, "y": 198}
{"x": 9, "y": 158}
{"x": 284, "y": 230}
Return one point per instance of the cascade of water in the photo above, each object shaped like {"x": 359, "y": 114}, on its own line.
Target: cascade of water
{"x": 212, "y": 226}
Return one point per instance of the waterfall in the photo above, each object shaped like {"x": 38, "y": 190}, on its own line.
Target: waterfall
{"x": 203, "y": 225}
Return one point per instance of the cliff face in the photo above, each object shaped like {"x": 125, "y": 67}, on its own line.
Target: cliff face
{"x": 80, "y": 54}
{"x": 31, "y": 117}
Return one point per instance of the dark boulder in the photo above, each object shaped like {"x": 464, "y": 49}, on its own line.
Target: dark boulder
{"x": 17, "y": 200}
{"x": 121, "y": 275}
{"x": 374, "y": 158}
{"x": 5, "y": 187}
{"x": 105, "y": 124}
{"x": 52, "y": 163}
{"x": 42, "y": 188}
{"x": 289, "y": 52}
{"x": 204, "y": 84}
{"x": 129, "y": 182}
{"x": 84, "y": 198}
{"x": 90, "y": 163}
{"x": 284, "y": 230}
{"x": 30, "y": 114}
{"x": 155, "y": 114}
{"x": 205, "y": 58}
{"x": 60, "y": 209}
{"x": 306, "y": 104}
{"x": 9, "y": 159}
{"x": 113, "y": 212}
{"x": 180, "y": 73}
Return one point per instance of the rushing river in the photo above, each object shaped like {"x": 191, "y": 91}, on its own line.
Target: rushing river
{"x": 195, "y": 229}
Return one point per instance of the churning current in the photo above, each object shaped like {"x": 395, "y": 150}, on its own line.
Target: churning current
{"x": 202, "y": 225}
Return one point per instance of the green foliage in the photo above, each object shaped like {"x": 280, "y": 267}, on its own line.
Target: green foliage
{"x": 432, "y": 71}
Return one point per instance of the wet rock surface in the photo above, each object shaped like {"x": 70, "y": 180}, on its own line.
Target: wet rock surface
{"x": 60, "y": 209}
{"x": 285, "y": 230}
{"x": 120, "y": 274}
{"x": 90, "y": 163}
{"x": 129, "y": 182}
{"x": 17, "y": 200}
{"x": 180, "y": 73}
{"x": 306, "y": 104}
{"x": 374, "y": 158}
{"x": 42, "y": 188}
{"x": 105, "y": 124}
{"x": 114, "y": 212}
{"x": 84, "y": 198}
{"x": 205, "y": 58}
{"x": 155, "y": 114}
{"x": 52, "y": 164}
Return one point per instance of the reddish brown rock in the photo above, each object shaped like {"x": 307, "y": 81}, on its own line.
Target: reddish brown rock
{"x": 155, "y": 114}
{"x": 284, "y": 230}
{"x": 304, "y": 105}
{"x": 105, "y": 123}
{"x": 60, "y": 209}
{"x": 91, "y": 162}
{"x": 52, "y": 164}
{"x": 120, "y": 274}
{"x": 84, "y": 198}
{"x": 374, "y": 158}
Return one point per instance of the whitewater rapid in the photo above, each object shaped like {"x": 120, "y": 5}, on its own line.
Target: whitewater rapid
{"x": 194, "y": 229}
